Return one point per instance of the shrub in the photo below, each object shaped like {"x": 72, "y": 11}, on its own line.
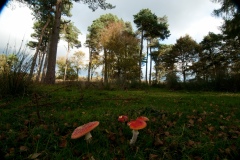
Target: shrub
{"x": 14, "y": 73}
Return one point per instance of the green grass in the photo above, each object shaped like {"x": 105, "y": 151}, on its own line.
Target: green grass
{"x": 183, "y": 125}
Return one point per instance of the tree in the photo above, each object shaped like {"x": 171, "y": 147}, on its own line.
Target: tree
{"x": 57, "y": 9}
{"x": 77, "y": 61}
{"x": 42, "y": 30}
{"x": 185, "y": 52}
{"x": 70, "y": 35}
{"x": 211, "y": 58}
{"x": 163, "y": 61}
{"x": 143, "y": 20}
{"x": 122, "y": 46}
{"x": 70, "y": 74}
{"x": 94, "y": 38}
{"x": 150, "y": 27}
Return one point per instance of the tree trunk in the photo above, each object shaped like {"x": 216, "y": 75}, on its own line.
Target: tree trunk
{"x": 105, "y": 67}
{"x": 89, "y": 64}
{"x": 45, "y": 64}
{"x": 156, "y": 74}
{"x": 66, "y": 64}
{"x": 150, "y": 67}
{"x": 37, "y": 49}
{"x": 50, "y": 75}
{"x": 147, "y": 65}
{"x": 40, "y": 66}
{"x": 140, "y": 59}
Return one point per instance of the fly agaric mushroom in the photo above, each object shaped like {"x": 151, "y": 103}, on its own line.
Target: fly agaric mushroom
{"x": 136, "y": 125}
{"x": 123, "y": 118}
{"x": 143, "y": 118}
{"x": 84, "y": 130}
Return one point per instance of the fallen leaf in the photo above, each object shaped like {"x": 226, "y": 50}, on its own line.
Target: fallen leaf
{"x": 222, "y": 127}
{"x": 34, "y": 155}
{"x": 199, "y": 120}
{"x": 158, "y": 141}
{"x": 152, "y": 156}
{"x": 211, "y": 128}
{"x": 166, "y": 133}
{"x": 23, "y": 148}
{"x": 63, "y": 143}
{"x": 191, "y": 121}
{"x": 191, "y": 143}
{"x": 228, "y": 150}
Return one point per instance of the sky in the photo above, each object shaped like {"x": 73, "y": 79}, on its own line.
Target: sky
{"x": 193, "y": 17}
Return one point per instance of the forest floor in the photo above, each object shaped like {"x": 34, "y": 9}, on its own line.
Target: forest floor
{"x": 182, "y": 125}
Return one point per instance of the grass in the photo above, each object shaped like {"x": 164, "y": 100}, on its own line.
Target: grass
{"x": 183, "y": 125}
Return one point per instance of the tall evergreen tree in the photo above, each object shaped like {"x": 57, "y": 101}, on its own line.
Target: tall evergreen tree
{"x": 57, "y": 8}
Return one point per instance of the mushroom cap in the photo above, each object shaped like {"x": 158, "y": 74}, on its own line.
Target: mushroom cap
{"x": 143, "y": 118}
{"x": 123, "y": 118}
{"x": 137, "y": 124}
{"x": 84, "y": 129}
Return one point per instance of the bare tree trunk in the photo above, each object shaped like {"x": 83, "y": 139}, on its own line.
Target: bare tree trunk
{"x": 37, "y": 49}
{"x": 147, "y": 64}
{"x": 140, "y": 58}
{"x": 105, "y": 67}
{"x": 156, "y": 74}
{"x": 50, "y": 75}
{"x": 45, "y": 64}
{"x": 40, "y": 66}
{"x": 89, "y": 64}
{"x": 150, "y": 70}
{"x": 66, "y": 63}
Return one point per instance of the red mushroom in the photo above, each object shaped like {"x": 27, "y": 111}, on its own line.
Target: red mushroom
{"x": 143, "y": 118}
{"x": 84, "y": 130}
{"x": 135, "y": 126}
{"x": 123, "y": 118}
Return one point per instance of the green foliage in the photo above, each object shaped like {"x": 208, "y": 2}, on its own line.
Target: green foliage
{"x": 71, "y": 74}
{"x": 185, "y": 52}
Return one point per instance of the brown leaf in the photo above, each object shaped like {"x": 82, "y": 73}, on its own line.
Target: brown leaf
{"x": 23, "y": 148}
{"x": 152, "y": 156}
{"x": 26, "y": 122}
{"x": 166, "y": 133}
{"x": 63, "y": 143}
{"x": 222, "y": 127}
{"x": 170, "y": 124}
{"x": 34, "y": 155}
{"x": 158, "y": 141}
{"x": 228, "y": 150}
{"x": 191, "y": 121}
{"x": 199, "y": 120}
{"x": 211, "y": 128}
{"x": 191, "y": 143}
{"x": 197, "y": 158}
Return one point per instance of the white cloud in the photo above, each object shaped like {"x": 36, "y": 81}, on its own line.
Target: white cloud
{"x": 15, "y": 26}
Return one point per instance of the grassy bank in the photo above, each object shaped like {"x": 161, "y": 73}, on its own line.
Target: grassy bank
{"x": 183, "y": 125}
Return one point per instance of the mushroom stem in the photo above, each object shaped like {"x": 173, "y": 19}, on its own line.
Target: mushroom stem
{"x": 88, "y": 137}
{"x": 134, "y": 137}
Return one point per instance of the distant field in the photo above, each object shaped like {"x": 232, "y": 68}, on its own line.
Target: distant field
{"x": 182, "y": 125}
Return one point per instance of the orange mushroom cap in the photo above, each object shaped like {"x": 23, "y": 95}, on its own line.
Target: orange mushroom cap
{"x": 143, "y": 118}
{"x": 137, "y": 124}
{"x": 84, "y": 129}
